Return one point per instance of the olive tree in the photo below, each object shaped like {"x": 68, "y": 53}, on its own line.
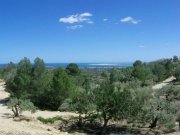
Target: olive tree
{"x": 112, "y": 103}
{"x": 161, "y": 109}
{"x": 19, "y": 105}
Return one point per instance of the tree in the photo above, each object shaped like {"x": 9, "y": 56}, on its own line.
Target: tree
{"x": 11, "y": 66}
{"x": 81, "y": 103}
{"x": 126, "y": 74}
{"x": 20, "y": 88}
{"x": 141, "y": 72}
{"x": 114, "y": 76}
{"x": 160, "y": 71}
{"x": 20, "y": 85}
{"x": 137, "y": 63}
{"x": 18, "y": 106}
{"x": 38, "y": 68}
{"x": 122, "y": 75}
{"x": 104, "y": 75}
{"x": 175, "y": 59}
{"x": 112, "y": 103}
{"x": 61, "y": 88}
{"x": 169, "y": 67}
{"x": 161, "y": 109}
{"x": 41, "y": 84}
{"x": 177, "y": 73}
{"x": 72, "y": 69}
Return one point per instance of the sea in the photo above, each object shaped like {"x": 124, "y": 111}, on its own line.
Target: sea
{"x": 87, "y": 65}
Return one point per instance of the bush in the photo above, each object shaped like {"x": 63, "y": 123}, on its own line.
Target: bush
{"x": 50, "y": 120}
{"x": 19, "y": 105}
{"x": 72, "y": 69}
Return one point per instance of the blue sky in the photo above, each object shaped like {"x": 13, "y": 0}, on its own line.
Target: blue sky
{"x": 89, "y": 30}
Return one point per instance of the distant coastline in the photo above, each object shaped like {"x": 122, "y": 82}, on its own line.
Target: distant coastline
{"x": 87, "y": 65}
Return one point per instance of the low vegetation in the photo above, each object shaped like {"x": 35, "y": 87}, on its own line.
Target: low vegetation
{"x": 102, "y": 97}
{"x": 50, "y": 120}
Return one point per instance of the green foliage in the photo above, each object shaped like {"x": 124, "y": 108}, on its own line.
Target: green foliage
{"x": 127, "y": 75}
{"x": 38, "y": 68}
{"x": 40, "y": 84}
{"x": 141, "y": 72}
{"x": 18, "y": 106}
{"x": 61, "y": 88}
{"x": 45, "y": 89}
{"x": 73, "y": 69}
{"x": 177, "y": 73}
{"x": 113, "y": 103}
{"x": 79, "y": 80}
{"x": 105, "y": 100}
{"x": 122, "y": 75}
{"x": 20, "y": 85}
{"x": 161, "y": 109}
{"x": 118, "y": 94}
{"x": 114, "y": 76}
{"x": 50, "y": 120}
{"x": 137, "y": 63}
{"x": 6, "y": 72}
{"x": 160, "y": 71}
{"x": 80, "y": 101}
{"x": 104, "y": 75}
{"x": 175, "y": 58}
{"x": 178, "y": 117}
{"x": 10, "y": 67}
{"x": 141, "y": 97}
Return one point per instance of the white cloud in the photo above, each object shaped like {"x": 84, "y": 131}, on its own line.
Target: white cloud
{"x": 141, "y": 46}
{"x": 105, "y": 20}
{"x": 77, "y": 18}
{"x": 71, "y": 19}
{"x": 86, "y": 14}
{"x": 74, "y": 27}
{"x": 130, "y": 19}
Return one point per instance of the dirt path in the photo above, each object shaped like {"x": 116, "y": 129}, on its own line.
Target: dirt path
{"x": 164, "y": 83}
{"x": 10, "y": 127}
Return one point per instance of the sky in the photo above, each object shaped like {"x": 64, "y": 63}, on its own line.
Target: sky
{"x": 89, "y": 30}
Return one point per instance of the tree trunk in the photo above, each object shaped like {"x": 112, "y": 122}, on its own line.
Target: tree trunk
{"x": 15, "y": 111}
{"x": 154, "y": 123}
{"x": 80, "y": 121}
{"x": 179, "y": 125}
{"x": 103, "y": 131}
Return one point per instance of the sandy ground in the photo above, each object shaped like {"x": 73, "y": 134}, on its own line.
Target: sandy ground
{"x": 174, "y": 134}
{"x": 164, "y": 83}
{"x": 10, "y": 127}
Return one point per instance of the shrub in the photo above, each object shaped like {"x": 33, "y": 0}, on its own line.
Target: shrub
{"x": 19, "y": 105}
{"x": 50, "y": 120}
